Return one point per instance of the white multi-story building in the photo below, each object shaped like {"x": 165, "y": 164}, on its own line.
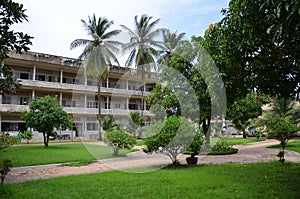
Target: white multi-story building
{"x": 43, "y": 74}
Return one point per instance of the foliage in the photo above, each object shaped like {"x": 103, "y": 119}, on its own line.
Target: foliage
{"x": 4, "y": 169}
{"x": 222, "y": 148}
{"x": 44, "y": 114}
{"x": 279, "y": 128}
{"x": 242, "y": 111}
{"x": 252, "y": 43}
{"x": 109, "y": 124}
{"x": 99, "y": 53}
{"x": 134, "y": 123}
{"x": 117, "y": 139}
{"x": 11, "y": 13}
{"x": 175, "y": 136}
{"x": 255, "y": 180}
{"x": 27, "y": 135}
{"x": 6, "y": 140}
{"x": 196, "y": 145}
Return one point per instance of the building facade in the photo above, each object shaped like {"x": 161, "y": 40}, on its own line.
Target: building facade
{"x": 43, "y": 74}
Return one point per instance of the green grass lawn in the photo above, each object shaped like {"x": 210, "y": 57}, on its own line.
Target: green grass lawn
{"x": 293, "y": 146}
{"x": 56, "y": 153}
{"x": 259, "y": 180}
{"x": 237, "y": 141}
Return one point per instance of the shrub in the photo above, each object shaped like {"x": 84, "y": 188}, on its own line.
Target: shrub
{"x": 27, "y": 135}
{"x": 117, "y": 139}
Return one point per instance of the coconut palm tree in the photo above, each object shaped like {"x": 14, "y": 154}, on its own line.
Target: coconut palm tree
{"x": 170, "y": 42}
{"x": 99, "y": 52}
{"x": 143, "y": 47}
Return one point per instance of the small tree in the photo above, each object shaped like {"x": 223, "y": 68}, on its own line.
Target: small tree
{"x": 4, "y": 169}
{"x": 279, "y": 128}
{"x": 108, "y": 124}
{"x": 44, "y": 114}
{"x": 175, "y": 136}
{"x": 243, "y": 110}
{"x": 134, "y": 123}
{"x": 27, "y": 135}
{"x": 117, "y": 139}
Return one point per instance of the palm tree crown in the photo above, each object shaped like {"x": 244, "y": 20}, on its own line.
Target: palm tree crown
{"x": 99, "y": 52}
{"x": 170, "y": 42}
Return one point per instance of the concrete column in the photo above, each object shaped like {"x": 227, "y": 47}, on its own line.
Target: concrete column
{"x": 145, "y": 104}
{"x": 85, "y": 101}
{"x": 107, "y": 101}
{"x": 85, "y": 79}
{"x": 34, "y": 73}
{"x": 61, "y": 76}
{"x": 2, "y": 64}
{"x": 126, "y": 84}
{"x": 127, "y": 107}
{"x": 0, "y": 97}
{"x": 60, "y": 98}
{"x": 107, "y": 82}
{"x": 33, "y": 94}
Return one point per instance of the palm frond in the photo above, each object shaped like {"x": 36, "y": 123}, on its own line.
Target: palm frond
{"x": 79, "y": 42}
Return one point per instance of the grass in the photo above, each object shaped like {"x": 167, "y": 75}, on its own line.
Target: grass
{"x": 238, "y": 141}
{"x": 77, "y": 154}
{"x": 258, "y": 180}
{"x": 293, "y": 146}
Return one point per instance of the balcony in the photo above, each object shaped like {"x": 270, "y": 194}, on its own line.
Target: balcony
{"x": 80, "y": 88}
{"x": 13, "y": 108}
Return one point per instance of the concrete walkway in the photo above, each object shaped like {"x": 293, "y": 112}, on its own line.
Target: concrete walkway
{"x": 141, "y": 162}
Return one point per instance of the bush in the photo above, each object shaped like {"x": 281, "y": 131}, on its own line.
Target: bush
{"x": 221, "y": 148}
{"x": 117, "y": 139}
{"x": 27, "y": 135}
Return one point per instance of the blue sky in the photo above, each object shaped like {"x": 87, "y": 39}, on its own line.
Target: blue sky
{"x": 54, "y": 24}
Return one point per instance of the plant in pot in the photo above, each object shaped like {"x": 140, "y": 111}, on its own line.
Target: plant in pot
{"x": 194, "y": 149}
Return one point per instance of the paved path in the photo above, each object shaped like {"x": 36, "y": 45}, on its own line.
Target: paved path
{"x": 254, "y": 152}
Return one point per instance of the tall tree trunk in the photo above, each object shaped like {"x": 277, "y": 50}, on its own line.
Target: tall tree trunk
{"x": 99, "y": 108}
{"x": 46, "y": 139}
{"x": 244, "y": 133}
{"x": 206, "y": 131}
{"x": 143, "y": 87}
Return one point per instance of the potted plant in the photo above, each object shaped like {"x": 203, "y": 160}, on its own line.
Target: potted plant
{"x": 194, "y": 149}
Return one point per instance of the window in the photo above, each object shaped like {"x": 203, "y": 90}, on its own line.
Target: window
{"x": 107, "y": 106}
{"x": 92, "y": 104}
{"x": 118, "y": 106}
{"x": 41, "y": 77}
{"x": 24, "y": 76}
{"x": 6, "y": 99}
{"x": 23, "y": 100}
{"x": 91, "y": 126}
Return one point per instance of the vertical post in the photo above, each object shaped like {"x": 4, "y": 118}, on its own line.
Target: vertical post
{"x": 61, "y": 75}
{"x": 33, "y": 94}
{"x": 107, "y": 82}
{"x": 60, "y": 98}
{"x": 107, "y": 101}
{"x": 127, "y": 106}
{"x": 34, "y": 73}
{"x": 126, "y": 84}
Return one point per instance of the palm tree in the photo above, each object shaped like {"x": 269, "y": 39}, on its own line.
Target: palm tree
{"x": 170, "y": 42}
{"x": 286, "y": 108}
{"x": 143, "y": 46}
{"x": 99, "y": 52}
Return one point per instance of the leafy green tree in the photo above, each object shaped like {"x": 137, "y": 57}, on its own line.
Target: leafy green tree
{"x": 99, "y": 52}
{"x": 11, "y": 13}
{"x": 174, "y": 137}
{"x": 286, "y": 108}
{"x": 6, "y": 140}
{"x": 134, "y": 123}
{"x": 44, "y": 114}
{"x": 143, "y": 47}
{"x": 242, "y": 111}
{"x": 27, "y": 135}
{"x": 280, "y": 128}
{"x": 117, "y": 139}
{"x": 258, "y": 38}
{"x": 109, "y": 124}
{"x": 4, "y": 169}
